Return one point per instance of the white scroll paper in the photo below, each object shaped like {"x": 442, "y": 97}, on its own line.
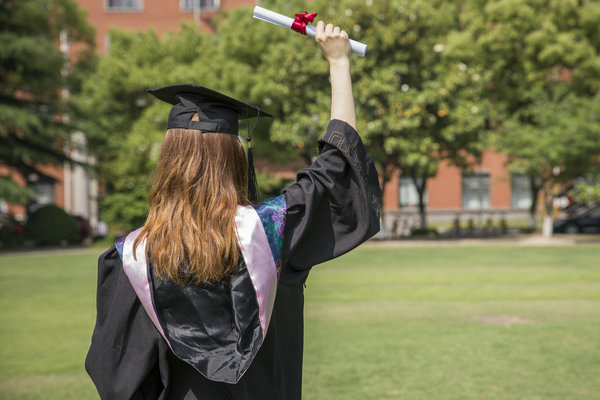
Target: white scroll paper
{"x": 263, "y": 14}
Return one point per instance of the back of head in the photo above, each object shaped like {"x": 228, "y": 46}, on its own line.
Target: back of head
{"x": 190, "y": 232}
{"x": 201, "y": 178}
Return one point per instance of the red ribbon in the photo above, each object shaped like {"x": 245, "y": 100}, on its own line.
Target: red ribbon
{"x": 299, "y": 24}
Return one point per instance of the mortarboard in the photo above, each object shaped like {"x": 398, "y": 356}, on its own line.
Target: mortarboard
{"x": 217, "y": 113}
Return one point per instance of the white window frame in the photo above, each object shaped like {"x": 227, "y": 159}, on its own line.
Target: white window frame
{"x": 44, "y": 191}
{"x": 520, "y": 192}
{"x": 134, "y": 8}
{"x": 408, "y": 195}
{"x": 188, "y": 5}
{"x": 479, "y": 182}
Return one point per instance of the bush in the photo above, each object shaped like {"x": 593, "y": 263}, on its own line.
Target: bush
{"x": 11, "y": 232}
{"x": 427, "y": 232}
{"x": 50, "y": 225}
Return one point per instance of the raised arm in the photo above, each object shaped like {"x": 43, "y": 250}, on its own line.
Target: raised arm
{"x": 336, "y": 48}
{"x": 335, "y": 204}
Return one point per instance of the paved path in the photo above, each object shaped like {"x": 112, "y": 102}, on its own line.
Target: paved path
{"x": 520, "y": 240}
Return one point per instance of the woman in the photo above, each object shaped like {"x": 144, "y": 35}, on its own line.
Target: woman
{"x": 206, "y": 300}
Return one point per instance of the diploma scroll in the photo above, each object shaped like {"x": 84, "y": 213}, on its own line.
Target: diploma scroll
{"x": 263, "y": 14}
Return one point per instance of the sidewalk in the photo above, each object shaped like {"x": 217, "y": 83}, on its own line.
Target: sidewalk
{"x": 512, "y": 240}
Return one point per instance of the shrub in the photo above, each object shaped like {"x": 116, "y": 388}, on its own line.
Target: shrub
{"x": 50, "y": 225}
{"x": 11, "y": 232}
{"x": 427, "y": 232}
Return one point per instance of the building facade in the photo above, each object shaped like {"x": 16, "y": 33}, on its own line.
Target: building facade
{"x": 486, "y": 193}
{"x": 160, "y": 15}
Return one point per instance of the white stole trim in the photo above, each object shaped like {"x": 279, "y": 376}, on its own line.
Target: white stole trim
{"x": 136, "y": 270}
{"x": 259, "y": 261}
{"x": 255, "y": 250}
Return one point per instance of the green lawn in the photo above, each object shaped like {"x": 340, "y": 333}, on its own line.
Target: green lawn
{"x": 504, "y": 322}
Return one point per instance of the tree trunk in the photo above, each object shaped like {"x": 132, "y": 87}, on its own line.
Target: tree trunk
{"x": 420, "y": 185}
{"x": 422, "y": 214}
{"x": 535, "y": 190}
{"x": 548, "y": 200}
{"x": 547, "y": 227}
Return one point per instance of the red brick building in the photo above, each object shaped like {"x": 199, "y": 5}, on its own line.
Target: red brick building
{"x": 486, "y": 192}
{"x": 160, "y": 15}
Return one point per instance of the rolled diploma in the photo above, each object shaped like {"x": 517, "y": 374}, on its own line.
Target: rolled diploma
{"x": 263, "y": 14}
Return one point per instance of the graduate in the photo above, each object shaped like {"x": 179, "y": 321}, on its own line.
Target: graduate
{"x": 205, "y": 301}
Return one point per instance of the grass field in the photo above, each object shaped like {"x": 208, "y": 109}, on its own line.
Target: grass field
{"x": 504, "y": 322}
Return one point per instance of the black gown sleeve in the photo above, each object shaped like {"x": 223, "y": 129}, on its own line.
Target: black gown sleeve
{"x": 335, "y": 204}
{"x": 127, "y": 353}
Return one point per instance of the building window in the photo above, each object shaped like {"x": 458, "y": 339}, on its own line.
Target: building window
{"x": 204, "y": 5}
{"x": 520, "y": 191}
{"x": 409, "y": 196}
{"x": 124, "y": 5}
{"x": 44, "y": 191}
{"x": 476, "y": 190}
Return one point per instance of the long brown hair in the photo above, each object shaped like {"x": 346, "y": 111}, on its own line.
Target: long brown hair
{"x": 190, "y": 230}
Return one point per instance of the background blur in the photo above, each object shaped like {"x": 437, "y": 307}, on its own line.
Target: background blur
{"x": 482, "y": 116}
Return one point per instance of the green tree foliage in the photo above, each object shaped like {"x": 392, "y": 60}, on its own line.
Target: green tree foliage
{"x": 416, "y": 104}
{"x": 542, "y": 73}
{"x": 13, "y": 193}
{"x": 587, "y": 193}
{"x": 33, "y": 72}
{"x": 417, "y": 100}
{"x": 127, "y": 125}
{"x": 586, "y": 190}
{"x": 437, "y": 77}
{"x": 558, "y": 143}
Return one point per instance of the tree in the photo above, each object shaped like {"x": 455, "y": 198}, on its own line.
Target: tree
{"x": 423, "y": 96}
{"x": 559, "y": 143}
{"x": 416, "y": 103}
{"x": 281, "y": 71}
{"x": 543, "y": 71}
{"x": 33, "y": 71}
{"x": 126, "y": 125}
{"x": 587, "y": 193}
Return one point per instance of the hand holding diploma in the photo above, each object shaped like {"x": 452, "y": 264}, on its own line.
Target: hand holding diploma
{"x": 333, "y": 42}
{"x": 336, "y": 48}
{"x": 300, "y": 24}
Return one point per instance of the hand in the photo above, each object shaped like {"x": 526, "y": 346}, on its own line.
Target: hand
{"x": 336, "y": 49}
{"x": 333, "y": 42}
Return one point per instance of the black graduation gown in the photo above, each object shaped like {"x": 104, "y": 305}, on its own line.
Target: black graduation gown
{"x": 334, "y": 206}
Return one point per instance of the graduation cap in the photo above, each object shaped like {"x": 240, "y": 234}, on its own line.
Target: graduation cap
{"x": 217, "y": 113}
